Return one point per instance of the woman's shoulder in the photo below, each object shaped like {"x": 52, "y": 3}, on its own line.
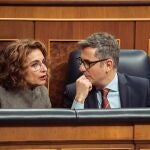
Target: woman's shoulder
{"x": 3, "y": 90}
{"x": 41, "y": 89}
{"x": 5, "y": 93}
{"x": 44, "y": 95}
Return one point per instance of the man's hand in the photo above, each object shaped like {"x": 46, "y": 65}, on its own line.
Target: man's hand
{"x": 83, "y": 86}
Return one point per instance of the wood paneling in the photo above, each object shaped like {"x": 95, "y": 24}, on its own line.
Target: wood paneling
{"x": 75, "y": 2}
{"x": 142, "y": 136}
{"x": 72, "y": 12}
{"x": 5, "y": 42}
{"x": 102, "y": 137}
{"x": 122, "y": 147}
{"x": 142, "y": 132}
{"x": 122, "y": 30}
{"x": 69, "y": 146}
{"x": 106, "y": 148}
{"x": 66, "y": 133}
{"x": 16, "y": 29}
{"x": 142, "y": 147}
{"x": 58, "y": 52}
{"x": 142, "y": 35}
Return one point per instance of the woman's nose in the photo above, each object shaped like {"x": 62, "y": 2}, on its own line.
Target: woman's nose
{"x": 43, "y": 68}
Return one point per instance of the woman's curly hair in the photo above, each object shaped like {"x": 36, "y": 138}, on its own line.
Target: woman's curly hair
{"x": 13, "y": 62}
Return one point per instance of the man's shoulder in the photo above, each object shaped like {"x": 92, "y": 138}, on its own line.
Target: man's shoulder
{"x": 132, "y": 79}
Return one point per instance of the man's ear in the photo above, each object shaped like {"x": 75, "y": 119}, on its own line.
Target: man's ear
{"x": 109, "y": 64}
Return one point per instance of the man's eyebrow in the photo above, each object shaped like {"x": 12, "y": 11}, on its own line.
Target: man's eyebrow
{"x": 86, "y": 60}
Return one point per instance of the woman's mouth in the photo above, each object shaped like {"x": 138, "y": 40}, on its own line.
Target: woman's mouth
{"x": 44, "y": 77}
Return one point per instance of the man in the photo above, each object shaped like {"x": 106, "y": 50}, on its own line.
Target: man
{"x": 100, "y": 85}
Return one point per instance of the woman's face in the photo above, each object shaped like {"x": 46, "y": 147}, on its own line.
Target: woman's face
{"x": 36, "y": 72}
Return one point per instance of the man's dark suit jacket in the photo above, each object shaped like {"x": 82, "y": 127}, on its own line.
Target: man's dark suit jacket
{"x": 134, "y": 93}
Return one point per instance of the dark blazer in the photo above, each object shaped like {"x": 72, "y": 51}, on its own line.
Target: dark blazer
{"x": 134, "y": 92}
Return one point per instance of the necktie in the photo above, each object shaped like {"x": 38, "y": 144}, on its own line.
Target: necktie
{"x": 105, "y": 102}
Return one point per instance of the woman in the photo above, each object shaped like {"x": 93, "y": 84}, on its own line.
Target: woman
{"x": 23, "y": 74}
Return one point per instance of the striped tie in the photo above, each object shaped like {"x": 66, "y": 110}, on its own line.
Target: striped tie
{"x": 105, "y": 102}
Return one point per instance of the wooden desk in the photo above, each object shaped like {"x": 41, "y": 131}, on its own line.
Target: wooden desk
{"x": 21, "y": 132}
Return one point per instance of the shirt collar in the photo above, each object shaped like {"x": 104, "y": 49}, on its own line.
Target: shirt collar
{"x": 113, "y": 85}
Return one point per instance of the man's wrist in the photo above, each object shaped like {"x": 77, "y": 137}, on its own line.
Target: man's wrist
{"x": 77, "y": 105}
{"x": 79, "y": 100}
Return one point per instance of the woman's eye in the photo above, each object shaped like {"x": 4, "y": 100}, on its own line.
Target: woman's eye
{"x": 35, "y": 65}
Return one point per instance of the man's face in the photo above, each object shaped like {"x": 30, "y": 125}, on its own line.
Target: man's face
{"x": 96, "y": 73}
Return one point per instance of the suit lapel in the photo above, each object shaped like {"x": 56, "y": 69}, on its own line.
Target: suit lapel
{"x": 124, "y": 91}
{"x": 91, "y": 101}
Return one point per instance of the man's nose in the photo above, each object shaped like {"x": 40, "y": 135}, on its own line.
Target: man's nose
{"x": 82, "y": 68}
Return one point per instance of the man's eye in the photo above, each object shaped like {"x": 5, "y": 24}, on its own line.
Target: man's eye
{"x": 86, "y": 62}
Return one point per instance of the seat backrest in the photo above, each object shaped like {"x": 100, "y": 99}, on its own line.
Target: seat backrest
{"x": 73, "y": 66}
{"x": 131, "y": 61}
{"x": 134, "y": 62}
